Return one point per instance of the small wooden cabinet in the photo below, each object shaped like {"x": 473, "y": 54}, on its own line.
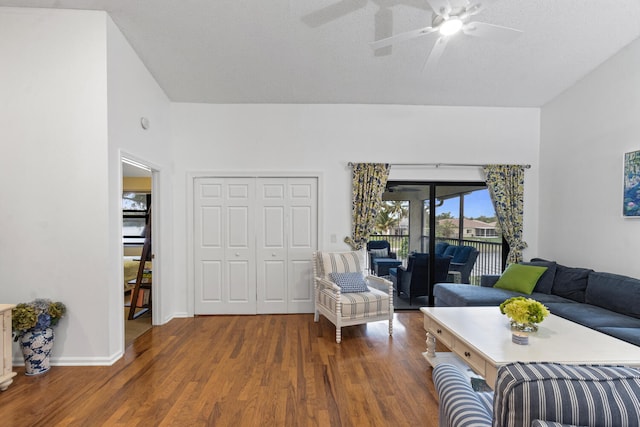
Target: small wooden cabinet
{"x": 6, "y": 374}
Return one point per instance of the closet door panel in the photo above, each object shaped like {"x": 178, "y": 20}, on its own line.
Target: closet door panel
{"x": 302, "y": 235}
{"x": 223, "y": 239}
{"x": 239, "y": 246}
{"x": 271, "y": 252}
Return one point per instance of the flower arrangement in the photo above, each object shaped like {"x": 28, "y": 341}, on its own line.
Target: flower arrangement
{"x": 36, "y": 315}
{"x": 524, "y": 311}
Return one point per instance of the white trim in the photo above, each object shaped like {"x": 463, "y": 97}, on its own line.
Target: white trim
{"x": 79, "y": 361}
{"x": 252, "y": 174}
{"x": 133, "y": 163}
{"x": 157, "y": 172}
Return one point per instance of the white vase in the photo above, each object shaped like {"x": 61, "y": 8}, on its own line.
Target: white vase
{"x": 36, "y": 348}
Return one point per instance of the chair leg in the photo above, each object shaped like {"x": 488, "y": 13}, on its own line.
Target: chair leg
{"x": 338, "y": 334}
{"x": 316, "y": 316}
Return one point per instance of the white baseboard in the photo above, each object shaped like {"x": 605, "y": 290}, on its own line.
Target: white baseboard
{"x": 78, "y": 361}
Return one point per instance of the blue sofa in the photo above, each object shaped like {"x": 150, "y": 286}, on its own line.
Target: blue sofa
{"x": 606, "y": 302}
{"x": 541, "y": 395}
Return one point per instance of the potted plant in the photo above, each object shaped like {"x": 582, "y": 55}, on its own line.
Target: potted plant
{"x": 525, "y": 313}
{"x": 32, "y": 324}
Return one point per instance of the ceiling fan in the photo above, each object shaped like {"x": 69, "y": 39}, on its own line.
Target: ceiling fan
{"x": 449, "y": 20}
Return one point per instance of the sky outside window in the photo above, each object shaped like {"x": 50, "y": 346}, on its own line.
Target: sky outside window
{"x": 476, "y": 204}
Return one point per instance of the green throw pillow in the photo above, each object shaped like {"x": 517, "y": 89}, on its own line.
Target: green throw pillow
{"x": 520, "y": 278}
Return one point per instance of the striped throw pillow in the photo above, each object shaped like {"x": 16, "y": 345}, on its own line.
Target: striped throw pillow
{"x": 380, "y": 253}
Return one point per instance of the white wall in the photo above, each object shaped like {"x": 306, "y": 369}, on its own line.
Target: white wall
{"x": 324, "y": 138}
{"x": 54, "y": 172}
{"x": 133, "y": 93}
{"x": 72, "y": 94}
{"x": 585, "y": 133}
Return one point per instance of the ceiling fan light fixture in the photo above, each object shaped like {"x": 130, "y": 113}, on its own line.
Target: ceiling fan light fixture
{"x": 450, "y": 27}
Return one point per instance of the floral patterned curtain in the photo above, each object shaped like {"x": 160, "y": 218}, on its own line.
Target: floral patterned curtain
{"x": 368, "y": 183}
{"x": 506, "y": 187}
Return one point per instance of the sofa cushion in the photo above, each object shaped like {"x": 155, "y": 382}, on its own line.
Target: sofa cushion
{"x": 544, "y": 423}
{"x": 614, "y": 292}
{"x": 520, "y": 278}
{"x": 459, "y": 404}
{"x": 349, "y": 282}
{"x": 461, "y": 254}
{"x": 592, "y": 316}
{"x": 569, "y": 394}
{"x": 630, "y": 335}
{"x": 463, "y": 295}
{"x": 545, "y": 283}
{"x": 571, "y": 282}
{"x": 441, "y": 247}
{"x": 450, "y": 251}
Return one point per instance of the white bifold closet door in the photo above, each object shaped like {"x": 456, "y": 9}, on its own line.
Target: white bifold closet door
{"x": 254, "y": 239}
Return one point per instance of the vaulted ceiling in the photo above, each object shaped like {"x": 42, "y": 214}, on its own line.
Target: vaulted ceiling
{"x": 317, "y": 51}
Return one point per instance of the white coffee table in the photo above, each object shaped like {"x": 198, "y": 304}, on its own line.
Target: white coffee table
{"x": 480, "y": 337}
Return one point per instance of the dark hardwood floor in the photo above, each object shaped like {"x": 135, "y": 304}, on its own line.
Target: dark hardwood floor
{"x": 265, "y": 370}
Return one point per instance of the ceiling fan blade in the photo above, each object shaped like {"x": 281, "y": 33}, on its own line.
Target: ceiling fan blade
{"x": 401, "y": 37}
{"x": 479, "y": 5}
{"x": 490, "y": 31}
{"x": 436, "y": 53}
{"x": 383, "y": 29}
{"x": 332, "y": 12}
{"x": 440, "y": 7}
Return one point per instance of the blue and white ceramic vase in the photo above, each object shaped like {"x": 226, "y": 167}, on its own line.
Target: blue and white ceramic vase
{"x": 36, "y": 348}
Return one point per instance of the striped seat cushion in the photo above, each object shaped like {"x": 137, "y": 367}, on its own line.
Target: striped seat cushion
{"x": 576, "y": 395}
{"x": 357, "y": 305}
{"x": 460, "y": 406}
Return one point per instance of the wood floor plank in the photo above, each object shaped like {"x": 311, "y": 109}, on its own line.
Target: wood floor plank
{"x": 265, "y": 370}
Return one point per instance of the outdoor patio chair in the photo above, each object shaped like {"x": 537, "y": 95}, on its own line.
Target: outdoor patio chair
{"x": 379, "y": 249}
{"x": 413, "y": 281}
{"x": 463, "y": 260}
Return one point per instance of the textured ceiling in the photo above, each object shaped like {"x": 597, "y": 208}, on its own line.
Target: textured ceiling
{"x": 316, "y": 51}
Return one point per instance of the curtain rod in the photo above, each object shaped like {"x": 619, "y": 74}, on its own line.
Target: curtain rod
{"x": 437, "y": 165}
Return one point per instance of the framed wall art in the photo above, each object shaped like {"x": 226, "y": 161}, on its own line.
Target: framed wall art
{"x": 631, "y": 202}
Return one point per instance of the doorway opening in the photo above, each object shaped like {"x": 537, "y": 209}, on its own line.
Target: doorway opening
{"x": 136, "y": 240}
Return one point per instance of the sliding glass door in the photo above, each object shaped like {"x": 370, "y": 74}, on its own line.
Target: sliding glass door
{"x": 456, "y": 213}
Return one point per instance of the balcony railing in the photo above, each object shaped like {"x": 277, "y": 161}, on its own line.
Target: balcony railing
{"x": 489, "y": 259}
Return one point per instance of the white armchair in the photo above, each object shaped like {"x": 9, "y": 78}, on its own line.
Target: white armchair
{"x": 349, "y": 308}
